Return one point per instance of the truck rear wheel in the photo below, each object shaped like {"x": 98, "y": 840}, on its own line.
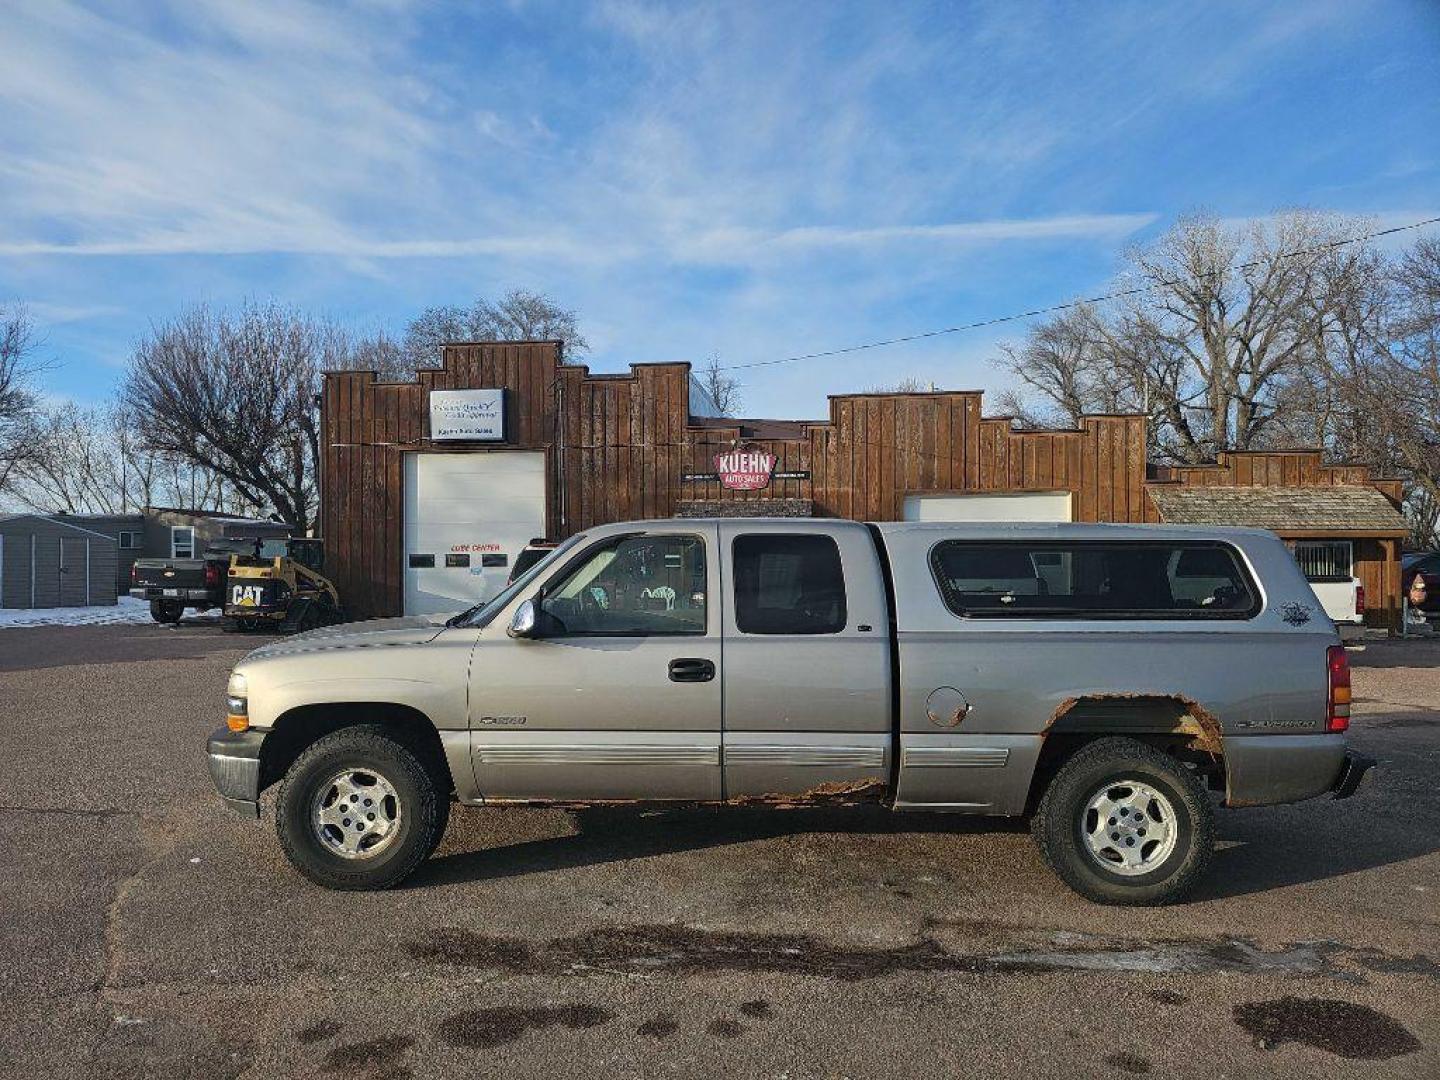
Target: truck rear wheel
{"x": 166, "y": 611}
{"x": 1123, "y": 823}
{"x": 359, "y": 810}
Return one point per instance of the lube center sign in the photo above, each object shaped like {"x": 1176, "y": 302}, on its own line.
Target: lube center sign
{"x": 470, "y": 415}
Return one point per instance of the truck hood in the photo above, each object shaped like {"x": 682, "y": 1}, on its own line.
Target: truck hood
{"x": 409, "y": 630}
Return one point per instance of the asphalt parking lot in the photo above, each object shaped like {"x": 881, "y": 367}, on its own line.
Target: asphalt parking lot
{"x": 147, "y": 931}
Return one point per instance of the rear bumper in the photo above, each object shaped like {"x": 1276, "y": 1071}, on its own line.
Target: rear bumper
{"x": 1261, "y": 770}
{"x": 1351, "y": 773}
{"x": 156, "y": 592}
{"x": 234, "y": 758}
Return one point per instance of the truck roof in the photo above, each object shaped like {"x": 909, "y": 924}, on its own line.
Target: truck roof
{"x": 980, "y": 530}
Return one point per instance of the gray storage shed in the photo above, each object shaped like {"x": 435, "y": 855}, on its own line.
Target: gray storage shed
{"x": 47, "y": 563}
{"x": 128, "y": 532}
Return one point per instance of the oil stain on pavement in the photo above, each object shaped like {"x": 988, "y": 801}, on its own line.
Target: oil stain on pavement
{"x": 486, "y": 1028}
{"x": 317, "y": 1032}
{"x": 1127, "y": 1062}
{"x": 1338, "y": 1027}
{"x": 373, "y": 1055}
{"x": 681, "y": 950}
{"x": 660, "y": 1026}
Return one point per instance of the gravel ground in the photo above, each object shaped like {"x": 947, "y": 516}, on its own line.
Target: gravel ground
{"x": 146, "y": 931}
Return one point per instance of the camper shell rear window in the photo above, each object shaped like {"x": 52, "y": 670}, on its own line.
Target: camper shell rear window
{"x": 1094, "y": 579}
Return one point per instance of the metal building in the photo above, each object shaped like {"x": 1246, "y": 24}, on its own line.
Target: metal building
{"x": 46, "y": 563}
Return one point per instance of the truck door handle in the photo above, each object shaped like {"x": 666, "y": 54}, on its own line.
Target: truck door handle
{"x": 691, "y": 669}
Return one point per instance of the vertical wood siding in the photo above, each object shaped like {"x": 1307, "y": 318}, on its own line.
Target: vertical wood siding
{"x": 617, "y": 446}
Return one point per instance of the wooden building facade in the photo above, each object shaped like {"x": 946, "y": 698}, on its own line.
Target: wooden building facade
{"x": 638, "y": 445}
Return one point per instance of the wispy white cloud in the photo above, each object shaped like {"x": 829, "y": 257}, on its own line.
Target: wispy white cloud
{"x": 735, "y": 244}
{"x": 967, "y": 233}
{"x": 57, "y": 314}
{"x": 756, "y": 179}
{"x": 262, "y": 119}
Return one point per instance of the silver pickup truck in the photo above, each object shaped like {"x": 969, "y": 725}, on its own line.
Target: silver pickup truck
{"x": 1104, "y": 679}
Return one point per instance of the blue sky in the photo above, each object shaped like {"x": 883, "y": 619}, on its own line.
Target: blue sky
{"x": 757, "y": 179}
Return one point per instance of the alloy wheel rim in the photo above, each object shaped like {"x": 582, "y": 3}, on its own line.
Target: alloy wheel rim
{"x": 1129, "y": 827}
{"x": 356, "y": 814}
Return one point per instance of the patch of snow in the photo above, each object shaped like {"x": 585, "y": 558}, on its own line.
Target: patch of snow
{"x": 127, "y": 611}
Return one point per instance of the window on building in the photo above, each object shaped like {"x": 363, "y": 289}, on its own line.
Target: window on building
{"x": 634, "y": 586}
{"x": 130, "y": 539}
{"x": 182, "y": 542}
{"x": 788, "y": 584}
{"x": 1143, "y": 579}
{"x": 1325, "y": 560}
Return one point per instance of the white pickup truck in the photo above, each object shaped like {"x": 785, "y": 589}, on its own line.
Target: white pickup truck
{"x": 1343, "y": 600}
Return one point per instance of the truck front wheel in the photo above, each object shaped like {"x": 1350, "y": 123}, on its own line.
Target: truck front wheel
{"x": 1123, "y": 823}
{"x": 359, "y": 810}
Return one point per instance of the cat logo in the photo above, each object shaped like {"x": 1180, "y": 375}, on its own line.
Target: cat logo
{"x": 245, "y": 595}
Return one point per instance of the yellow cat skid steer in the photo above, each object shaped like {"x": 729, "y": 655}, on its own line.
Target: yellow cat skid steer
{"x": 280, "y": 587}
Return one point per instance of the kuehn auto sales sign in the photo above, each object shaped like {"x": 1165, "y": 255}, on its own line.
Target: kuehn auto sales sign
{"x": 745, "y": 470}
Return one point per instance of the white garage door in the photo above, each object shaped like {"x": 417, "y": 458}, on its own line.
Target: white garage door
{"x": 1017, "y": 506}
{"x": 466, "y": 518}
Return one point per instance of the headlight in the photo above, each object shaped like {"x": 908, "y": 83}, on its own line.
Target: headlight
{"x": 237, "y": 703}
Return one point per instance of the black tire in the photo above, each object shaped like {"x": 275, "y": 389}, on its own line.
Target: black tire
{"x": 166, "y": 611}
{"x": 1060, "y": 824}
{"x": 424, "y": 809}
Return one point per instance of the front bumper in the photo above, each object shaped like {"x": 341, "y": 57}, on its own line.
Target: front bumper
{"x": 235, "y": 767}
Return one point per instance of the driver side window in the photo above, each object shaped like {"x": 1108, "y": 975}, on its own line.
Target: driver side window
{"x": 639, "y": 586}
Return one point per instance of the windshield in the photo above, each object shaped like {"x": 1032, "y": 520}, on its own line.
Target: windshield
{"x": 481, "y": 614}
{"x": 269, "y": 549}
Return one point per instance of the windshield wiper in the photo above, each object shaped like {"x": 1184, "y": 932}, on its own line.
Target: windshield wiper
{"x": 457, "y": 620}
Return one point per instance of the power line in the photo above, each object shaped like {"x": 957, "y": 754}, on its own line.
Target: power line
{"x": 1120, "y": 294}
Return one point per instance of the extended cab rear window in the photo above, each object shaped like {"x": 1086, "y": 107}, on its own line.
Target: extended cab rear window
{"x": 1102, "y": 579}
{"x": 788, "y": 584}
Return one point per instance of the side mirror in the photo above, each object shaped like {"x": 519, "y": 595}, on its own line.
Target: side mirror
{"x": 525, "y": 623}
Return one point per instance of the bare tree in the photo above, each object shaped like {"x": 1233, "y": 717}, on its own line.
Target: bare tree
{"x": 722, "y": 387}
{"x": 381, "y": 354}
{"x": 1393, "y": 381}
{"x": 1063, "y": 363}
{"x": 908, "y": 385}
{"x": 520, "y": 315}
{"x": 17, "y": 402}
{"x": 93, "y": 461}
{"x": 235, "y": 395}
{"x": 1230, "y": 319}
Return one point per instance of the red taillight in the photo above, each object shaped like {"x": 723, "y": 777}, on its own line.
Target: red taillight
{"x": 1359, "y": 599}
{"x": 134, "y": 574}
{"x": 212, "y": 575}
{"x": 1337, "y": 706}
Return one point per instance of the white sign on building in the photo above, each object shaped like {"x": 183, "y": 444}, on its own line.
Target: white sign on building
{"x": 467, "y": 414}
